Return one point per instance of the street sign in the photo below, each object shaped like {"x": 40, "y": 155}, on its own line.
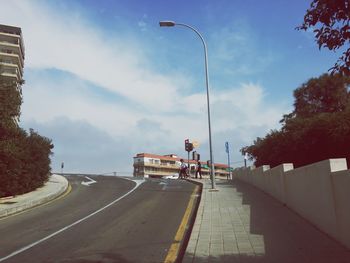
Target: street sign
{"x": 195, "y": 144}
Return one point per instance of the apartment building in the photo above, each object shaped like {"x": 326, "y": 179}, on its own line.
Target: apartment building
{"x": 11, "y": 53}
{"x": 157, "y": 166}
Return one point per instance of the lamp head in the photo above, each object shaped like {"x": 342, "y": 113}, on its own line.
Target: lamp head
{"x": 167, "y": 23}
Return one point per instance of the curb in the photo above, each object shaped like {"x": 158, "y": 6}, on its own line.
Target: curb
{"x": 39, "y": 201}
{"x": 7, "y": 197}
{"x": 193, "y": 216}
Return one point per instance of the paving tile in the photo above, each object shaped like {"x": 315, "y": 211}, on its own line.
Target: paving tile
{"x": 201, "y": 259}
{"x": 216, "y": 241}
{"x": 259, "y": 250}
{"x": 187, "y": 259}
{"x": 242, "y": 224}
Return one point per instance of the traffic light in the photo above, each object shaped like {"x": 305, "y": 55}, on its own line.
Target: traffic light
{"x": 188, "y": 146}
{"x": 187, "y": 142}
{"x": 195, "y": 156}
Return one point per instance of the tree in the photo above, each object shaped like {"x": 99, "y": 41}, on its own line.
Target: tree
{"x": 317, "y": 129}
{"x": 10, "y": 102}
{"x": 24, "y": 158}
{"x": 330, "y": 21}
{"x": 327, "y": 93}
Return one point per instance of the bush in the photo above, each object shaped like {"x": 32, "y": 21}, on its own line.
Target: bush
{"x": 24, "y": 161}
{"x": 24, "y": 158}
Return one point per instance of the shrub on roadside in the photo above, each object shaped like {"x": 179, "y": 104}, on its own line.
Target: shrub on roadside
{"x": 24, "y": 158}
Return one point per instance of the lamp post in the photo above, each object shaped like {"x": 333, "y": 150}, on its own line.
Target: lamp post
{"x": 171, "y": 24}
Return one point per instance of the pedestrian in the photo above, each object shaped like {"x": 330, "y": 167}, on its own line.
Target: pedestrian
{"x": 199, "y": 170}
{"x": 183, "y": 169}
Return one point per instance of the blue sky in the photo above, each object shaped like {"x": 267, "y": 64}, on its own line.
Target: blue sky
{"x": 105, "y": 82}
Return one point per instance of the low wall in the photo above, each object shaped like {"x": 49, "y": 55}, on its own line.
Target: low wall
{"x": 341, "y": 186}
{"x": 319, "y": 192}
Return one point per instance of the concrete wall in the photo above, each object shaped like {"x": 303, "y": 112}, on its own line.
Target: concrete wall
{"x": 319, "y": 192}
{"x": 341, "y": 186}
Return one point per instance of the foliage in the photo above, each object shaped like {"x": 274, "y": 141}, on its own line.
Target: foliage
{"x": 10, "y": 102}
{"x": 324, "y": 94}
{"x": 330, "y": 21}
{"x": 24, "y": 158}
{"x": 317, "y": 129}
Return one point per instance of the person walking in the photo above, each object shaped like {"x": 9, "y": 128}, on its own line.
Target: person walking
{"x": 183, "y": 170}
{"x": 199, "y": 170}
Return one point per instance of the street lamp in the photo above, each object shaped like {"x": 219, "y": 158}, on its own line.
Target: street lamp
{"x": 171, "y": 24}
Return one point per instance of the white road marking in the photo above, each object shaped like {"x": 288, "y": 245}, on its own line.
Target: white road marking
{"x": 138, "y": 183}
{"x": 91, "y": 181}
{"x": 164, "y": 187}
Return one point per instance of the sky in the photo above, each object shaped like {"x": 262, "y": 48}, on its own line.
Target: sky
{"x": 105, "y": 82}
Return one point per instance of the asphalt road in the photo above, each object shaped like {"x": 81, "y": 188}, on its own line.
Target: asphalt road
{"x": 137, "y": 228}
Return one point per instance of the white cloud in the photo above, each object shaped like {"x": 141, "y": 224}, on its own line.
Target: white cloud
{"x": 146, "y": 112}
{"x": 70, "y": 43}
{"x": 238, "y": 114}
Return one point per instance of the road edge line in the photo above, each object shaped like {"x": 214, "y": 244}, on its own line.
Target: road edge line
{"x": 182, "y": 236}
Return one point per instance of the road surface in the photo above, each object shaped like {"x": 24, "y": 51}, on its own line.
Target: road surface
{"x": 99, "y": 222}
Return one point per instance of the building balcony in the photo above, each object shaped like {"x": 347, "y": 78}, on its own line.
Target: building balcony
{"x": 11, "y": 68}
{"x": 8, "y": 69}
{"x": 170, "y": 166}
{"x": 9, "y": 34}
{"x": 11, "y": 75}
{"x": 11, "y": 55}
{"x": 15, "y": 48}
{"x": 12, "y": 34}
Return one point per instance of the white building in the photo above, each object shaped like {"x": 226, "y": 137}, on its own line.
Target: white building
{"x": 11, "y": 53}
{"x": 153, "y": 165}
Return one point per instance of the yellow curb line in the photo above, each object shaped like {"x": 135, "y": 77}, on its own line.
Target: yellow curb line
{"x": 175, "y": 246}
{"x": 69, "y": 189}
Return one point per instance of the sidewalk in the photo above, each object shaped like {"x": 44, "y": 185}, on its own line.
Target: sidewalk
{"x": 240, "y": 223}
{"x": 56, "y": 185}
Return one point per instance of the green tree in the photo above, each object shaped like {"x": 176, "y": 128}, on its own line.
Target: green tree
{"x": 10, "y": 102}
{"x": 330, "y": 21}
{"x": 317, "y": 129}
{"x": 24, "y": 158}
{"x": 327, "y": 93}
